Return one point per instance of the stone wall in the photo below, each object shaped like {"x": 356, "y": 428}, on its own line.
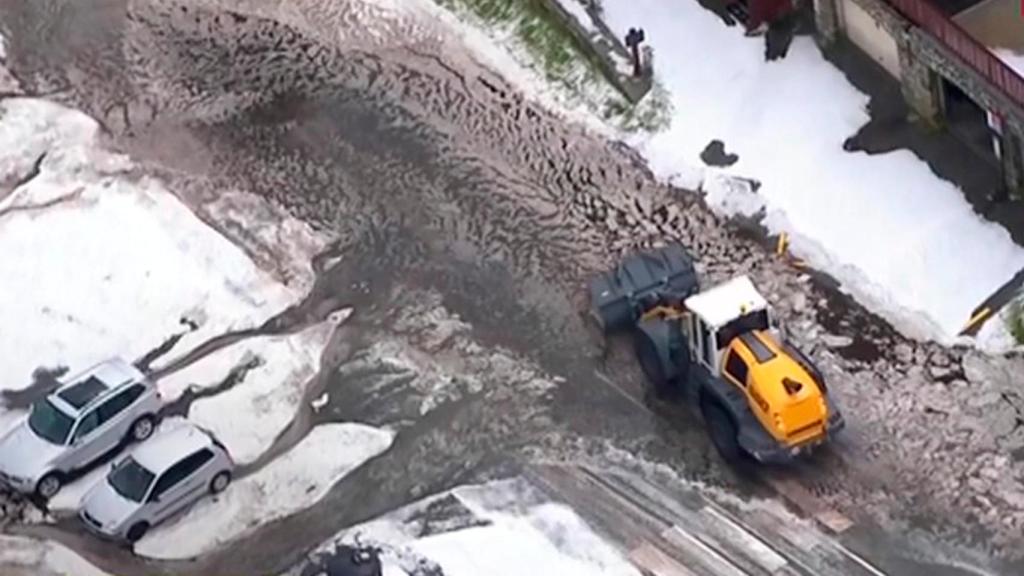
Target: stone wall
{"x": 826, "y": 20}
{"x": 946, "y": 64}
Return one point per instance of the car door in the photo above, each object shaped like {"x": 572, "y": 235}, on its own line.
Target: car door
{"x": 83, "y": 450}
{"x": 114, "y": 412}
{"x": 99, "y": 430}
{"x": 180, "y": 485}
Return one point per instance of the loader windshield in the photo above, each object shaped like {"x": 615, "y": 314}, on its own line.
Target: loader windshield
{"x": 741, "y": 325}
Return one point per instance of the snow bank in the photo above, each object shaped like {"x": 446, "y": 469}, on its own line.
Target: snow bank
{"x": 898, "y": 237}
{"x": 522, "y": 529}
{"x": 295, "y": 481}
{"x": 29, "y": 557}
{"x": 1014, "y": 59}
{"x": 248, "y": 417}
{"x": 113, "y": 268}
{"x": 551, "y": 539}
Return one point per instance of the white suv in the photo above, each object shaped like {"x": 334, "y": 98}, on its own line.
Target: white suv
{"x": 83, "y": 420}
{"x": 158, "y": 479}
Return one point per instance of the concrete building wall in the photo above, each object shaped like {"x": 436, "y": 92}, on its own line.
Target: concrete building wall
{"x": 869, "y": 35}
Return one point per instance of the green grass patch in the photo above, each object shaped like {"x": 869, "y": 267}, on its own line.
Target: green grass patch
{"x": 1015, "y": 319}
{"x": 552, "y": 48}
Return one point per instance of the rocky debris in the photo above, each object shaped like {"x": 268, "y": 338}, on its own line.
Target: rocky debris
{"x": 14, "y": 508}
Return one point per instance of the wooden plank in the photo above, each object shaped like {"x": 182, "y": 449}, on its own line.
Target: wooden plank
{"x": 707, "y": 556}
{"x": 648, "y": 557}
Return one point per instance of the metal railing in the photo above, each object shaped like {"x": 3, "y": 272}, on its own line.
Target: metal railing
{"x": 975, "y": 54}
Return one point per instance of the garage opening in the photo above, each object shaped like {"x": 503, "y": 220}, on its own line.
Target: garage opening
{"x": 967, "y": 120}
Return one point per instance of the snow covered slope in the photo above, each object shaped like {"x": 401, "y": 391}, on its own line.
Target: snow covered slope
{"x": 111, "y": 262}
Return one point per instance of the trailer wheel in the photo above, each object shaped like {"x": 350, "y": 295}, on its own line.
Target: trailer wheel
{"x": 647, "y": 355}
{"x": 723, "y": 432}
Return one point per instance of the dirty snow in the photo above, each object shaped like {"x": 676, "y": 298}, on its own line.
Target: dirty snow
{"x": 578, "y": 11}
{"x": 22, "y": 556}
{"x": 292, "y": 482}
{"x": 508, "y": 522}
{"x": 248, "y": 417}
{"x": 128, "y": 263}
{"x": 995, "y": 336}
{"x": 898, "y": 237}
{"x": 1014, "y": 59}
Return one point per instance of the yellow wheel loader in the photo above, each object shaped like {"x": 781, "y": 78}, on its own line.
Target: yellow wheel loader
{"x": 722, "y": 351}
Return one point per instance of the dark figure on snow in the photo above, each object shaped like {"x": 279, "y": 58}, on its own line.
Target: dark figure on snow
{"x": 347, "y": 561}
{"x": 634, "y": 38}
{"x": 775, "y": 19}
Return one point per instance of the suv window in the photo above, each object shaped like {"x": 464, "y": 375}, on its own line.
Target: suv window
{"x": 118, "y": 403}
{"x": 183, "y": 469}
{"x": 736, "y": 367}
{"x": 87, "y": 424}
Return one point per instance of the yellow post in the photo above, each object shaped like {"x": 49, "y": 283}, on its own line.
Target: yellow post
{"x": 977, "y": 318}
{"x": 783, "y": 243}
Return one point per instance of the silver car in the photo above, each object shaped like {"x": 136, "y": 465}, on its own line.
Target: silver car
{"x": 159, "y": 478}
{"x": 83, "y": 420}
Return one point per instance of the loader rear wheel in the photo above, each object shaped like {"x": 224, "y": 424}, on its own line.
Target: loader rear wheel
{"x": 650, "y": 363}
{"x": 723, "y": 432}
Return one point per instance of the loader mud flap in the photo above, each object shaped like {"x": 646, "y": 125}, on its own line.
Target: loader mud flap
{"x": 618, "y": 297}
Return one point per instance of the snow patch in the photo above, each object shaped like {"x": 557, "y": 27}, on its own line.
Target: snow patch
{"x": 248, "y": 417}
{"x": 578, "y": 11}
{"x": 995, "y": 336}
{"x": 113, "y": 269}
{"x": 30, "y": 557}
{"x": 1013, "y": 59}
{"x": 294, "y": 481}
{"x": 70, "y": 496}
{"x": 521, "y": 525}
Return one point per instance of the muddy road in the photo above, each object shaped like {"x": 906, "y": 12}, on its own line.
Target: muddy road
{"x": 467, "y": 220}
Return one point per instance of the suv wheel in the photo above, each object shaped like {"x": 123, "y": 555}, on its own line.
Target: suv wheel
{"x": 48, "y": 486}
{"x": 142, "y": 428}
{"x": 137, "y": 531}
{"x": 220, "y": 482}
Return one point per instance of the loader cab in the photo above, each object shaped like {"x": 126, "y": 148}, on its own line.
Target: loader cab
{"x": 719, "y": 315}
{"x": 733, "y": 334}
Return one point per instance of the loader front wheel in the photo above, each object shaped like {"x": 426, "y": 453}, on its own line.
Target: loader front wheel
{"x": 723, "y": 432}
{"x": 647, "y": 355}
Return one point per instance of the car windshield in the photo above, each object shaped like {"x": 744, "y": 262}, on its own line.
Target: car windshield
{"x": 130, "y": 480}
{"x": 49, "y": 423}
